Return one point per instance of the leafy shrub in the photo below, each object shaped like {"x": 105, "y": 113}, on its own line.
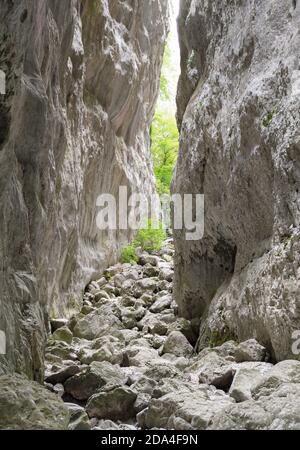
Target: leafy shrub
{"x": 129, "y": 255}
{"x": 164, "y": 138}
{"x": 150, "y": 238}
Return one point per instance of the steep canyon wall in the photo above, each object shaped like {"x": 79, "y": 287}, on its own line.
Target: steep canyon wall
{"x": 82, "y": 77}
{"x": 239, "y": 113}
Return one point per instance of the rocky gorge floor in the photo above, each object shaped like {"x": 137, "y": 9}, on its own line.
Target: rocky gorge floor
{"x": 126, "y": 361}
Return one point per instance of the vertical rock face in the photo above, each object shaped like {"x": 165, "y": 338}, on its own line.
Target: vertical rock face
{"x": 81, "y": 83}
{"x": 238, "y": 108}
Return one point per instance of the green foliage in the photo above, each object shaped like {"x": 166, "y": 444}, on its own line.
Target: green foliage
{"x": 164, "y": 78}
{"x": 268, "y": 119}
{"x": 164, "y": 137}
{"x": 129, "y": 255}
{"x": 150, "y": 238}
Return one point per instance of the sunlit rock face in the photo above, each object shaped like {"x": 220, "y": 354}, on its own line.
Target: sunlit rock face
{"x": 238, "y": 108}
{"x": 82, "y": 79}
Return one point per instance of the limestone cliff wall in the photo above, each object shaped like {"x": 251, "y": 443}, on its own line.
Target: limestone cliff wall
{"x": 239, "y": 112}
{"x": 82, "y": 79}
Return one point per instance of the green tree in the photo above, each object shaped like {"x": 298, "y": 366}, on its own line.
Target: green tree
{"x": 164, "y": 136}
{"x": 150, "y": 237}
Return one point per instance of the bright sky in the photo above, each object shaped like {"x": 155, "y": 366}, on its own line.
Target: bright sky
{"x": 173, "y": 31}
{"x": 175, "y": 56}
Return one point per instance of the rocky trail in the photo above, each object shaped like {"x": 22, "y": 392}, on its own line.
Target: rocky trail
{"x": 127, "y": 361}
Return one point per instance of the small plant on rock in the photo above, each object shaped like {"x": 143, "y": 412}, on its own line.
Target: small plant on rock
{"x": 128, "y": 255}
{"x": 268, "y": 119}
{"x": 151, "y": 237}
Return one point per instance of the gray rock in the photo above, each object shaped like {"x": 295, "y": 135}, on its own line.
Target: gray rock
{"x": 189, "y": 409}
{"x": 58, "y": 323}
{"x": 141, "y": 402}
{"x": 279, "y": 411}
{"x": 283, "y": 373}
{"x": 59, "y": 373}
{"x": 61, "y": 350}
{"x": 79, "y": 419}
{"x": 145, "y": 285}
{"x": 275, "y": 404}
{"x": 150, "y": 271}
{"x": 154, "y": 324}
{"x": 245, "y": 379}
{"x": 148, "y": 259}
{"x": 250, "y": 350}
{"x": 59, "y": 390}
{"x": 63, "y": 334}
{"x": 177, "y": 344}
{"x": 161, "y": 304}
{"x": 97, "y": 323}
{"x": 213, "y": 369}
{"x": 97, "y": 375}
{"x": 116, "y": 404}
{"x": 107, "y": 348}
{"x": 26, "y": 405}
{"x": 166, "y": 274}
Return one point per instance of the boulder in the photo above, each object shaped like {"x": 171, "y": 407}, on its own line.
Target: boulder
{"x": 177, "y": 344}
{"x": 250, "y": 350}
{"x": 97, "y": 375}
{"x": 63, "y": 334}
{"x": 58, "y": 323}
{"x": 59, "y": 373}
{"x": 61, "y": 350}
{"x": 145, "y": 285}
{"x": 191, "y": 408}
{"x": 278, "y": 411}
{"x": 116, "y": 404}
{"x": 213, "y": 369}
{"x": 148, "y": 259}
{"x": 27, "y": 405}
{"x": 161, "y": 304}
{"x": 79, "y": 419}
{"x": 245, "y": 378}
{"x": 96, "y": 324}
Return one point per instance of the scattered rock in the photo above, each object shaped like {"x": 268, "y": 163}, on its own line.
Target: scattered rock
{"x": 177, "y": 344}
{"x": 161, "y": 304}
{"x": 96, "y": 324}
{"x": 98, "y": 374}
{"x": 189, "y": 409}
{"x": 27, "y": 405}
{"x": 213, "y": 369}
{"x": 79, "y": 419}
{"x": 59, "y": 373}
{"x": 58, "y": 323}
{"x": 250, "y": 350}
{"x": 245, "y": 379}
{"x": 63, "y": 334}
{"x": 117, "y": 404}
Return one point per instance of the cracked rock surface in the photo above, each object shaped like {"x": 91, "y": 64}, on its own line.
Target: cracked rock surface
{"x": 238, "y": 110}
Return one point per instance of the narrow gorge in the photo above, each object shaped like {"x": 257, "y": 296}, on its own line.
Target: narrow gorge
{"x": 123, "y": 329}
